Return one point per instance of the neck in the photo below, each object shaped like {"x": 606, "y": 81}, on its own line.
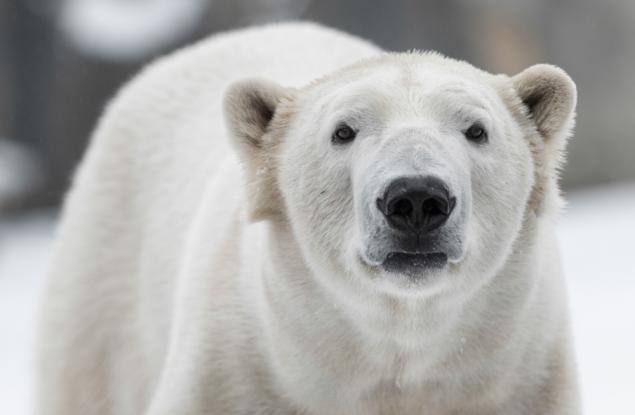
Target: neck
{"x": 329, "y": 349}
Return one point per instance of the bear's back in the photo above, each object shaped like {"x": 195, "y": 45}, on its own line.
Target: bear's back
{"x": 167, "y": 126}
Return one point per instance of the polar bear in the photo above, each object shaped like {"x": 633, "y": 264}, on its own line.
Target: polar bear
{"x": 287, "y": 220}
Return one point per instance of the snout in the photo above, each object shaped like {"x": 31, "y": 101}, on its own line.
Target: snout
{"x": 415, "y": 209}
{"x": 413, "y": 204}
{"x": 416, "y": 205}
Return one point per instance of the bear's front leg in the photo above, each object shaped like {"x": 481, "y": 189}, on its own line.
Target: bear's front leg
{"x": 216, "y": 362}
{"x": 193, "y": 384}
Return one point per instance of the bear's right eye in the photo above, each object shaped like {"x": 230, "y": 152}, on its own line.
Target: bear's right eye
{"x": 343, "y": 134}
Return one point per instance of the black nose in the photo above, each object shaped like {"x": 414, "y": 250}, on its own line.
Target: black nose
{"x": 418, "y": 204}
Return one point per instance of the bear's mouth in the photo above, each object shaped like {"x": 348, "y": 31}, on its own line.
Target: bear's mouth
{"x": 414, "y": 264}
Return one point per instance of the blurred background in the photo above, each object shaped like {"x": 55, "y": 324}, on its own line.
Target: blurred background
{"x": 62, "y": 60}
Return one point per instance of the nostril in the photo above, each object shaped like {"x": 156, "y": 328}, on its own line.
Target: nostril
{"x": 438, "y": 206}
{"x": 403, "y": 207}
{"x": 433, "y": 207}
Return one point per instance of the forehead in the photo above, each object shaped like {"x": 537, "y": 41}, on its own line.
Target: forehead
{"x": 407, "y": 82}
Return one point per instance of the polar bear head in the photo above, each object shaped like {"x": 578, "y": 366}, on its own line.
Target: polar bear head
{"x": 407, "y": 172}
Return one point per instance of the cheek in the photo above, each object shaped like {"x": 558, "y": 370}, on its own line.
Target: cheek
{"x": 368, "y": 173}
{"x": 316, "y": 186}
{"x": 501, "y": 185}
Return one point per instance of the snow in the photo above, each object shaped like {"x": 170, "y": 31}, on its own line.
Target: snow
{"x": 597, "y": 240}
{"x": 596, "y": 235}
{"x": 122, "y": 30}
{"x": 24, "y": 248}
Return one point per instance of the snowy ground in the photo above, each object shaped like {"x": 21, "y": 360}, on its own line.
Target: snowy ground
{"x": 597, "y": 239}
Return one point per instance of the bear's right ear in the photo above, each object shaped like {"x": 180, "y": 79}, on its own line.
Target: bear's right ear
{"x": 251, "y": 107}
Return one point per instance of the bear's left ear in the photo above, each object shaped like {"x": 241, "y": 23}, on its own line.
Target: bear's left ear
{"x": 256, "y": 113}
{"x": 549, "y": 96}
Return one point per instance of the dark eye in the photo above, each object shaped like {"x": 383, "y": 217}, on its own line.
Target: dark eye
{"x": 343, "y": 134}
{"x": 476, "y": 133}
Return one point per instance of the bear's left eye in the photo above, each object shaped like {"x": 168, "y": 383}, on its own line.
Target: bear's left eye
{"x": 343, "y": 134}
{"x": 476, "y": 133}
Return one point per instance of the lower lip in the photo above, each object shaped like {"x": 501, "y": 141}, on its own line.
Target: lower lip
{"x": 413, "y": 264}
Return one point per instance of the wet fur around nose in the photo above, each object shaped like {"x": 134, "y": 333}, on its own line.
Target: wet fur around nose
{"x": 433, "y": 165}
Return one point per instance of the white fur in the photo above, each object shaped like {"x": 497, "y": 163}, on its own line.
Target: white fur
{"x": 164, "y": 298}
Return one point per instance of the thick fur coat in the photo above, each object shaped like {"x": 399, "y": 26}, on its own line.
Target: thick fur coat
{"x": 221, "y": 252}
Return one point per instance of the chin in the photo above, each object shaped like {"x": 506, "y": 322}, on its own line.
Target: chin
{"x": 406, "y": 274}
{"x": 414, "y": 266}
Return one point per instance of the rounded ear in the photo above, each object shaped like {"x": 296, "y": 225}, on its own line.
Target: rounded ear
{"x": 550, "y": 98}
{"x": 251, "y": 108}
